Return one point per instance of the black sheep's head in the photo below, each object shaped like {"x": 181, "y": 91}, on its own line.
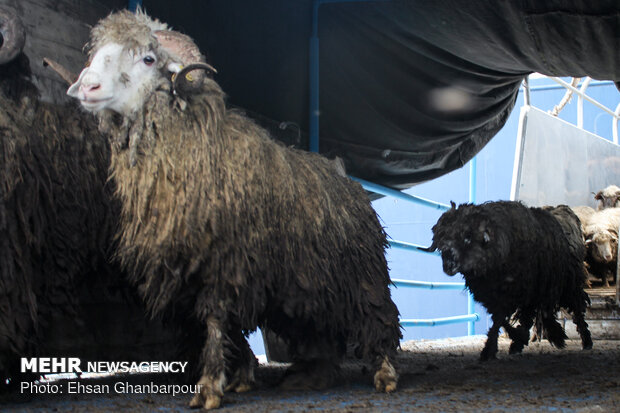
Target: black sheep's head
{"x": 469, "y": 241}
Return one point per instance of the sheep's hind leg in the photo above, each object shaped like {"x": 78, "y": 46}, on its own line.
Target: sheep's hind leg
{"x": 242, "y": 378}
{"x": 582, "y": 329}
{"x": 211, "y": 385}
{"x": 386, "y": 378}
{"x": 553, "y": 330}
{"x": 316, "y": 364}
{"x": 520, "y": 335}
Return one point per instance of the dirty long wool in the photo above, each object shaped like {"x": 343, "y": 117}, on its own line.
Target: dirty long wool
{"x": 220, "y": 217}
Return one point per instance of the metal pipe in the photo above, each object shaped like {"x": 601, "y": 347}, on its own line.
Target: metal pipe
{"x": 471, "y": 328}
{"x": 410, "y": 247}
{"x": 586, "y": 97}
{"x": 470, "y": 318}
{"x": 314, "y": 82}
{"x": 428, "y": 285}
{"x": 559, "y": 87}
{"x": 582, "y": 89}
{"x": 526, "y": 88}
{"x": 614, "y": 126}
{"x": 379, "y": 189}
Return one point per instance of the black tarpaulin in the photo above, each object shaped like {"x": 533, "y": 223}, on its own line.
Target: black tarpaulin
{"x": 409, "y": 90}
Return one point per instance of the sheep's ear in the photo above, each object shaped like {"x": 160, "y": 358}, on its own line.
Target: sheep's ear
{"x": 599, "y": 195}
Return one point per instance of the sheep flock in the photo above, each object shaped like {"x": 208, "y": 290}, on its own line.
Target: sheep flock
{"x": 155, "y": 188}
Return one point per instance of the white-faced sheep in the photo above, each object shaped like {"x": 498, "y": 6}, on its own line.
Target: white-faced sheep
{"x": 58, "y": 292}
{"x": 221, "y": 224}
{"x": 517, "y": 261}
{"x": 608, "y": 197}
{"x": 601, "y": 235}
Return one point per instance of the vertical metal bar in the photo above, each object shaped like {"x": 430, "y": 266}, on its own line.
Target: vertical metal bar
{"x": 471, "y": 327}
{"x": 614, "y": 126}
{"x": 526, "y": 91}
{"x": 314, "y": 79}
{"x": 582, "y": 89}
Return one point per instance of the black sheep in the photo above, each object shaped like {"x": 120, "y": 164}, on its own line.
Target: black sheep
{"x": 517, "y": 261}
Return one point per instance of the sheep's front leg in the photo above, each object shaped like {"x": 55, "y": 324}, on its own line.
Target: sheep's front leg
{"x": 490, "y": 348}
{"x": 211, "y": 385}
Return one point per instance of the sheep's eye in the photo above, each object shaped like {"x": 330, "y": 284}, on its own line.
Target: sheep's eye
{"x": 148, "y": 60}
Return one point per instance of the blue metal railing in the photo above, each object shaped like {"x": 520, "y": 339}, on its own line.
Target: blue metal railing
{"x": 471, "y": 317}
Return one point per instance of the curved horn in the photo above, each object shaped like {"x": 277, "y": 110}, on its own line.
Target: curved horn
{"x": 12, "y": 35}
{"x": 183, "y": 83}
{"x": 184, "y": 49}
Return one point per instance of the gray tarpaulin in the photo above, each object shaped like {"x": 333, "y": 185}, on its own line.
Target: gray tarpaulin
{"x": 409, "y": 90}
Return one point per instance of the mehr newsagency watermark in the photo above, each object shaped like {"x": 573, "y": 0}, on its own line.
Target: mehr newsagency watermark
{"x": 63, "y": 366}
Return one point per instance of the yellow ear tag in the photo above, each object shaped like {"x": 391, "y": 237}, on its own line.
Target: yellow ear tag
{"x": 189, "y": 77}
{"x": 174, "y": 74}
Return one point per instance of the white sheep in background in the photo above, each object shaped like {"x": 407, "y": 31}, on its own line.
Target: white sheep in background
{"x": 608, "y": 197}
{"x": 601, "y": 235}
{"x": 221, "y": 224}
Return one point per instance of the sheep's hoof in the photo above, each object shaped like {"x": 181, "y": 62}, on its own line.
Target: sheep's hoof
{"x": 487, "y": 355}
{"x": 386, "y": 377}
{"x": 209, "y": 394}
{"x": 209, "y": 401}
{"x": 515, "y": 348}
{"x": 241, "y": 381}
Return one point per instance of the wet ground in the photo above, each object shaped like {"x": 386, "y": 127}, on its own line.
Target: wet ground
{"x": 436, "y": 376}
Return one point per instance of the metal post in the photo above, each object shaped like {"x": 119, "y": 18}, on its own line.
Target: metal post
{"x": 471, "y": 327}
{"x": 583, "y": 88}
{"x": 314, "y": 79}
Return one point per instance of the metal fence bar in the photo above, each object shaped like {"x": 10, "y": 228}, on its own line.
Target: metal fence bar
{"x": 382, "y": 190}
{"x": 428, "y": 285}
{"x": 582, "y": 89}
{"x": 586, "y": 97}
{"x": 440, "y": 321}
{"x": 410, "y": 247}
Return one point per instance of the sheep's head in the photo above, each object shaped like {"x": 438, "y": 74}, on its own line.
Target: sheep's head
{"x": 603, "y": 245}
{"x": 12, "y": 34}
{"x": 130, "y": 57}
{"x": 469, "y": 241}
{"x": 608, "y": 197}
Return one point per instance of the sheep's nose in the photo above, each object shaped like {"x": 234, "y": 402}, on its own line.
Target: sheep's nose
{"x": 90, "y": 87}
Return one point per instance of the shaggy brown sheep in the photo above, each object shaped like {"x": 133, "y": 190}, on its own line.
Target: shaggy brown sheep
{"x": 221, "y": 224}
{"x": 517, "y": 261}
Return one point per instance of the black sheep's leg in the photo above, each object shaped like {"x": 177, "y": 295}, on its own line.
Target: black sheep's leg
{"x": 579, "y": 312}
{"x": 243, "y": 365}
{"x": 553, "y": 330}
{"x": 520, "y": 335}
{"x": 211, "y": 385}
{"x": 582, "y": 329}
{"x": 490, "y": 348}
